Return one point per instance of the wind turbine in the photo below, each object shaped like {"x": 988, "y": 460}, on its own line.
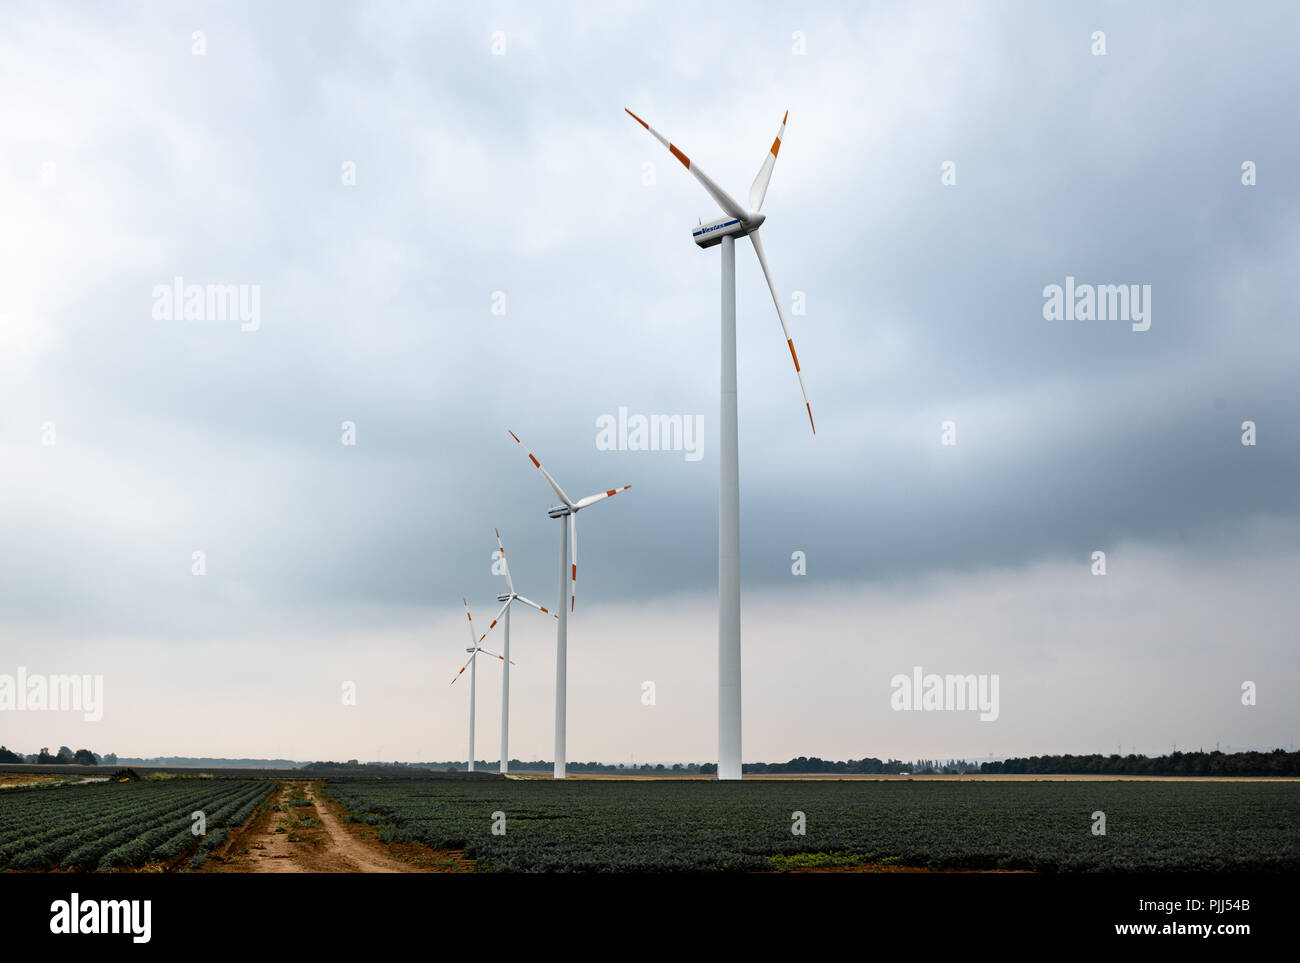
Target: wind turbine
{"x": 571, "y": 509}
{"x": 472, "y": 665}
{"x": 510, "y": 595}
{"x": 738, "y": 222}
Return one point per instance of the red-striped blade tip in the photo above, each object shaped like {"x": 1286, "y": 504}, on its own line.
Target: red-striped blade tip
{"x": 637, "y": 119}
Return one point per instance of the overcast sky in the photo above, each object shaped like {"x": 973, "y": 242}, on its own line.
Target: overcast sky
{"x": 494, "y": 168}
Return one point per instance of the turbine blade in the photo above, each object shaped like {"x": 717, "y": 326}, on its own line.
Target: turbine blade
{"x": 725, "y": 201}
{"x": 494, "y": 622}
{"x": 464, "y": 667}
{"x": 540, "y": 608}
{"x": 547, "y": 475}
{"x": 473, "y": 636}
{"x": 599, "y": 496}
{"x": 759, "y": 189}
{"x": 780, "y": 313}
{"x": 573, "y": 537}
{"x": 510, "y": 586}
{"x": 495, "y": 656}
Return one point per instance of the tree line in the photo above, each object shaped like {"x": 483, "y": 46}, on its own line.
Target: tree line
{"x": 64, "y": 757}
{"x": 1275, "y": 763}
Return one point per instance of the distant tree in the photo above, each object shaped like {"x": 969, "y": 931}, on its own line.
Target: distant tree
{"x": 8, "y": 756}
{"x": 84, "y": 757}
{"x": 65, "y": 755}
{"x": 44, "y": 758}
{"x": 110, "y": 759}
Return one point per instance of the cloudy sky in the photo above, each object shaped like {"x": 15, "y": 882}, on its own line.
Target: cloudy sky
{"x": 454, "y": 229}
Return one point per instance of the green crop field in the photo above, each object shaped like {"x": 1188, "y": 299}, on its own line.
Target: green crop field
{"x": 103, "y": 826}
{"x": 709, "y": 826}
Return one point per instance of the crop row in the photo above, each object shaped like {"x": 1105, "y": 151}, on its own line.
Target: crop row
{"x": 708, "y": 826}
{"x": 104, "y": 826}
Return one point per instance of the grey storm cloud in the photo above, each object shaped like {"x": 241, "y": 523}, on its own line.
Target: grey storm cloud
{"x": 521, "y": 174}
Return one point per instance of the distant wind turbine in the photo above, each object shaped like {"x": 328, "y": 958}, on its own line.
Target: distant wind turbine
{"x": 568, "y": 508}
{"x": 472, "y": 665}
{"x": 510, "y": 595}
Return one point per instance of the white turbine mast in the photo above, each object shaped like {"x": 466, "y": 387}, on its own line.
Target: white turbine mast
{"x": 568, "y": 577}
{"x": 737, "y": 222}
{"x": 472, "y": 665}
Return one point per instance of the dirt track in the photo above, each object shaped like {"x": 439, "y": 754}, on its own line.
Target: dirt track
{"x": 313, "y": 839}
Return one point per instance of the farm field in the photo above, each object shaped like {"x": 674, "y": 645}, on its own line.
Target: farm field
{"x": 915, "y": 777}
{"x": 640, "y": 825}
{"x": 701, "y": 826}
{"x": 106, "y": 826}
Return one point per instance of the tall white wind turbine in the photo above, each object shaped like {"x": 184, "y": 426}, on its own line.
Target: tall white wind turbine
{"x": 569, "y": 508}
{"x": 508, "y": 597}
{"x": 472, "y": 665}
{"x": 738, "y": 222}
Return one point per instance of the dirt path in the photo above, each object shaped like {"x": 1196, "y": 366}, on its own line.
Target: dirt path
{"x": 311, "y": 838}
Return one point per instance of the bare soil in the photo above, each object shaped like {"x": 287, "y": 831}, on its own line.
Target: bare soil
{"x": 8, "y": 779}
{"x": 314, "y": 839}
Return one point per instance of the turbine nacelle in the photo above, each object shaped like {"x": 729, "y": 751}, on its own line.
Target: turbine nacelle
{"x": 559, "y": 511}
{"x": 711, "y": 234}
{"x": 504, "y": 597}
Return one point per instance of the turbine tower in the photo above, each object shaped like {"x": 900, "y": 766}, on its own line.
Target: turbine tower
{"x": 509, "y": 596}
{"x": 737, "y": 222}
{"x": 472, "y": 665}
{"x": 568, "y": 508}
